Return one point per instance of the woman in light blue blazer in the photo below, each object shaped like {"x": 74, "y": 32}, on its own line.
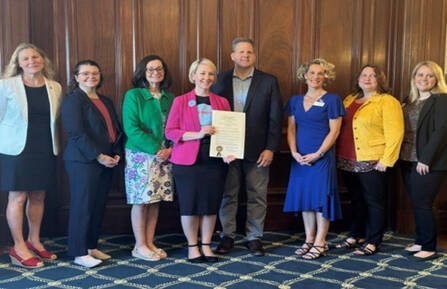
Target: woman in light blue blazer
{"x": 29, "y": 108}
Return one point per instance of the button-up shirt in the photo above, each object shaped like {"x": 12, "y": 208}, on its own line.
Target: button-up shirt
{"x": 240, "y": 90}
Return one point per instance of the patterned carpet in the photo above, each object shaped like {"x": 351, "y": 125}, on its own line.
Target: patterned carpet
{"x": 390, "y": 268}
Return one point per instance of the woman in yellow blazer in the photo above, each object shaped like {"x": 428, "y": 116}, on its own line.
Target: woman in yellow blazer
{"x": 369, "y": 143}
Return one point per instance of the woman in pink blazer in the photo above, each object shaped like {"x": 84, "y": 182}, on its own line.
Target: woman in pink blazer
{"x": 199, "y": 178}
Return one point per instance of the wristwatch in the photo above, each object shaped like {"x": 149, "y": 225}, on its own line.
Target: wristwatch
{"x": 321, "y": 154}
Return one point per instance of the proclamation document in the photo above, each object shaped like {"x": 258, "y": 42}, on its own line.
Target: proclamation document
{"x": 229, "y": 138}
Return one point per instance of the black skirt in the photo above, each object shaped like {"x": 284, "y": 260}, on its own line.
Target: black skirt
{"x": 35, "y": 167}
{"x": 199, "y": 187}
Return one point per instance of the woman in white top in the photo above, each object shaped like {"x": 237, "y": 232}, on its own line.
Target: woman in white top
{"x": 29, "y": 108}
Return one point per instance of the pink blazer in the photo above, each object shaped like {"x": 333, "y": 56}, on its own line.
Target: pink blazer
{"x": 184, "y": 117}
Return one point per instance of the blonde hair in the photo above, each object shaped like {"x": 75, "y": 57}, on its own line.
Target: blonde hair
{"x": 440, "y": 86}
{"x": 195, "y": 65}
{"x": 329, "y": 69}
{"x": 13, "y": 68}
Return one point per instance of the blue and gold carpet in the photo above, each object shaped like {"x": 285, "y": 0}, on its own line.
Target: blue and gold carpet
{"x": 280, "y": 268}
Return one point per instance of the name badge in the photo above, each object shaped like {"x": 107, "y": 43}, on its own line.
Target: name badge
{"x": 319, "y": 103}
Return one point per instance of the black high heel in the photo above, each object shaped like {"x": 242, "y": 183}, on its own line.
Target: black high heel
{"x": 210, "y": 259}
{"x": 199, "y": 259}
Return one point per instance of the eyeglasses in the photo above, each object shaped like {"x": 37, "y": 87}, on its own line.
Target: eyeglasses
{"x": 89, "y": 73}
{"x": 156, "y": 69}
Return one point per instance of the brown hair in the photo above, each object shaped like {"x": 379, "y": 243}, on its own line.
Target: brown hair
{"x": 382, "y": 85}
{"x": 238, "y": 40}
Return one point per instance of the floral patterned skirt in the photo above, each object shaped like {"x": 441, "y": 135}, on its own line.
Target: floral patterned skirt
{"x": 147, "y": 180}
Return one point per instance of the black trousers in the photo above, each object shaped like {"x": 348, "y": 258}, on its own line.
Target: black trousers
{"x": 89, "y": 186}
{"x": 367, "y": 192}
{"x": 423, "y": 191}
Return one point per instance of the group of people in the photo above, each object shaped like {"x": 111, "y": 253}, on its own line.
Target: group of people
{"x": 166, "y": 142}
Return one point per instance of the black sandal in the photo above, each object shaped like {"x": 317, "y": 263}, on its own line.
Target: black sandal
{"x": 199, "y": 259}
{"x": 211, "y": 259}
{"x": 320, "y": 251}
{"x": 366, "y": 251}
{"x": 303, "y": 250}
{"x": 345, "y": 244}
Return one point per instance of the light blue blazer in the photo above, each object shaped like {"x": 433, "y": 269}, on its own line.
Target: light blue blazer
{"x": 14, "y": 114}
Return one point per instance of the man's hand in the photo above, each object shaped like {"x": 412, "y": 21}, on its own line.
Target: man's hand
{"x": 265, "y": 158}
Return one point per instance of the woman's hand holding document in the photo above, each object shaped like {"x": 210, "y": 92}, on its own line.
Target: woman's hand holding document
{"x": 229, "y": 138}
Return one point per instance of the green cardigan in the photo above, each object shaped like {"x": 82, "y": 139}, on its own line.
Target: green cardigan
{"x": 143, "y": 119}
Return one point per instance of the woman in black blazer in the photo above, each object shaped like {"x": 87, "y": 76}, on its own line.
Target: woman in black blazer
{"x": 93, "y": 149}
{"x": 424, "y": 152}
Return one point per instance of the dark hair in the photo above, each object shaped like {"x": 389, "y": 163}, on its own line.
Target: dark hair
{"x": 382, "y": 86}
{"x": 74, "y": 83}
{"x": 139, "y": 76}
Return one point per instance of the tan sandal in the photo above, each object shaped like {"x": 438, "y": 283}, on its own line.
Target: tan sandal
{"x": 150, "y": 256}
{"x": 161, "y": 253}
{"x": 97, "y": 254}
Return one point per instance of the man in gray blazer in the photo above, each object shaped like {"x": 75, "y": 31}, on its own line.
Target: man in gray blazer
{"x": 257, "y": 94}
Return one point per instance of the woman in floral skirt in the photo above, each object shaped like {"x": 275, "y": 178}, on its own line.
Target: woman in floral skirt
{"x": 148, "y": 175}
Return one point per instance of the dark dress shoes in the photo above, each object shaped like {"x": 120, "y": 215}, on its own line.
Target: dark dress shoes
{"x": 255, "y": 247}
{"x": 199, "y": 259}
{"x": 210, "y": 259}
{"x": 196, "y": 260}
{"x": 225, "y": 245}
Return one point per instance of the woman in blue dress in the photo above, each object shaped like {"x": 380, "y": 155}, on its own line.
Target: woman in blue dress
{"x": 314, "y": 121}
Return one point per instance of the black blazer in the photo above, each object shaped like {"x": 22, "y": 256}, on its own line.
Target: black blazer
{"x": 86, "y": 128}
{"x": 263, "y": 111}
{"x": 431, "y": 135}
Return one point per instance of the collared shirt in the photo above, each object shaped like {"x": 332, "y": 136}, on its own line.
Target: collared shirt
{"x": 240, "y": 90}
{"x": 144, "y": 119}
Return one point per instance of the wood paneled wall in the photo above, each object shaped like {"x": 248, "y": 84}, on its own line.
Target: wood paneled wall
{"x": 394, "y": 34}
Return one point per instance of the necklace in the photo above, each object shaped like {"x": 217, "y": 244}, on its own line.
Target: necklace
{"x": 315, "y": 97}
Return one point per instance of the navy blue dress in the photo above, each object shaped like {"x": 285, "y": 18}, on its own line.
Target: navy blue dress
{"x": 314, "y": 188}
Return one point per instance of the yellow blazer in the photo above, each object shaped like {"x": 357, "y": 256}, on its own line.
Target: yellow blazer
{"x": 378, "y": 128}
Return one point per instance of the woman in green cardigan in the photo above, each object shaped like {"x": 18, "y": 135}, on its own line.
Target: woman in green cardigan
{"x": 148, "y": 176}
